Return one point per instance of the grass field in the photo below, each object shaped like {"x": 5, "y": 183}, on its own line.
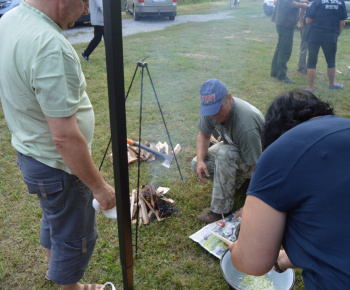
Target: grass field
{"x": 237, "y": 51}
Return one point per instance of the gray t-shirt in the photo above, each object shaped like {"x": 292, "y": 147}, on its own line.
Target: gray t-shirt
{"x": 243, "y": 129}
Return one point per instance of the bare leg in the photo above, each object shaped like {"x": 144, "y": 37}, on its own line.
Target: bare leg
{"x": 311, "y": 74}
{"x": 331, "y": 76}
{"x": 48, "y": 255}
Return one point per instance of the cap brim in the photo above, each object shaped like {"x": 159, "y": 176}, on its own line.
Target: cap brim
{"x": 209, "y": 110}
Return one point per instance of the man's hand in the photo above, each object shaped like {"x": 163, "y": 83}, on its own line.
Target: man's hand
{"x": 202, "y": 170}
{"x": 203, "y": 141}
{"x": 105, "y": 196}
{"x": 301, "y": 26}
{"x": 238, "y": 214}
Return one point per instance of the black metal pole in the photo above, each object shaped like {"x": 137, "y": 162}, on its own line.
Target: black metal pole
{"x": 113, "y": 37}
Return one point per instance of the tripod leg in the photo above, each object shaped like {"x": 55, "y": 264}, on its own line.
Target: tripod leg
{"x": 139, "y": 164}
{"x": 166, "y": 128}
{"x": 132, "y": 80}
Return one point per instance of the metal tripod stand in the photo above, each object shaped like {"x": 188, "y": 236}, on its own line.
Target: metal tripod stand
{"x": 143, "y": 65}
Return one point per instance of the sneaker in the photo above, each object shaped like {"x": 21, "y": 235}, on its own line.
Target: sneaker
{"x": 209, "y": 217}
{"x": 84, "y": 56}
{"x": 287, "y": 81}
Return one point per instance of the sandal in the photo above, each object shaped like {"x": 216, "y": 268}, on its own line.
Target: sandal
{"x": 47, "y": 277}
{"x": 94, "y": 286}
{"x": 336, "y": 87}
{"x": 307, "y": 90}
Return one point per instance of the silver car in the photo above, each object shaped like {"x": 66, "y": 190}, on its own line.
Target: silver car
{"x": 140, "y": 8}
{"x": 7, "y": 5}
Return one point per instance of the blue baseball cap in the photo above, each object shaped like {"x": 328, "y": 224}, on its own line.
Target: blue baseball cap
{"x": 211, "y": 95}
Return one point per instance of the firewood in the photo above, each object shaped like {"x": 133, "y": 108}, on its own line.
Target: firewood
{"x": 133, "y": 206}
{"x": 151, "y": 208}
{"x": 168, "y": 200}
{"x": 162, "y": 147}
{"x": 177, "y": 149}
{"x": 162, "y": 190}
{"x": 144, "y": 212}
{"x": 140, "y": 215}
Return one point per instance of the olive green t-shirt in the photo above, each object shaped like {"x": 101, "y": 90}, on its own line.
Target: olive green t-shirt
{"x": 243, "y": 129}
{"x": 40, "y": 75}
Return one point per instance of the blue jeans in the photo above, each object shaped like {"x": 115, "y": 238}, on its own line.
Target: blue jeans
{"x": 68, "y": 225}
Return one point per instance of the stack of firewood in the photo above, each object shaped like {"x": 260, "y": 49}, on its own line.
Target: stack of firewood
{"x": 133, "y": 152}
{"x": 152, "y": 204}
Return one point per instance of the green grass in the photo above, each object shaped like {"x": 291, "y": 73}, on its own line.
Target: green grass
{"x": 238, "y": 51}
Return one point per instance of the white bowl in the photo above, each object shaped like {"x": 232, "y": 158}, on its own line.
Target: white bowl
{"x": 281, "y": 281}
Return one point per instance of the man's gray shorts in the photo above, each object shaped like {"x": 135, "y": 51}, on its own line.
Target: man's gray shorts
{"x": 68, "y": 225}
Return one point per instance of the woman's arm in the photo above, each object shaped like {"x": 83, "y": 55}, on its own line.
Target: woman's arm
{"x": 259, "y": 242}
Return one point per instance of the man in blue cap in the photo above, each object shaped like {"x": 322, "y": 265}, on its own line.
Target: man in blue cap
{"x": 231, "y": 161}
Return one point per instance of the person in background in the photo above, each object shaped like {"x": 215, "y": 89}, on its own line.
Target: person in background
{"x": 285, "y": 17}
{"x": 50, "y": 116}
{"x": 304, "y": 30}
{"x": 327, "y": 20}
{"x": 231, "y": 162}
{"x": 299, "y": 195}
{"x": 96, "y": 16}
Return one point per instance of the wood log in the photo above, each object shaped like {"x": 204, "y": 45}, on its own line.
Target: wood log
{"x": 151, "y": 208}
{"x": 162, "y": 190}
{"x": 144, "y": 212}
{"x": 177, "y": 149}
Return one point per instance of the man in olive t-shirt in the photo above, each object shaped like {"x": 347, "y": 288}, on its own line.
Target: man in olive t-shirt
{"x": 231, "y": 161}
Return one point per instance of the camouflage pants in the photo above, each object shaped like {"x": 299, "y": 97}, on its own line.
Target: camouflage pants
{"x": 225, "y": 162}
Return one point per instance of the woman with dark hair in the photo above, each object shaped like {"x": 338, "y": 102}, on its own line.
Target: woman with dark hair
{"x": 289, "y": 110}
{"x": 299, "y": 195}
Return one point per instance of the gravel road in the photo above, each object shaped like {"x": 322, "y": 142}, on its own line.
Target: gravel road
{"x": 85, "y": 33}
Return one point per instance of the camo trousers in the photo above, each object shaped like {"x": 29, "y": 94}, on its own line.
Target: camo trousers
{"x": 224, "y": 162}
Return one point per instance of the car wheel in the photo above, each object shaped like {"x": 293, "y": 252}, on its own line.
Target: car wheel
{"x": 266, "y": 11}
{"x": 172, "y": 17}
{"x": 136, "y": 16}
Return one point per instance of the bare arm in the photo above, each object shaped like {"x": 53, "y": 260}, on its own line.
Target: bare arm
{"x": 203, "y": 141}
{"x": 301, "y": 18}
{"x": 341, "y": 26}
{"x": 308, "y": 20}
{"x": 258, "y": 245}
{"x": 73, "y": 148}
{"x": 300, "y": 5}
{"x": 283, "y": 261}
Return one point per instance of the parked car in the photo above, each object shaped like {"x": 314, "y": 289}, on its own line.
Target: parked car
{"x": 7, "y": 5}
{"x": 84, "y": 19}
{"x": 269, "y": 6}
{"x": 347, "y": 4}
{"x": 140, "y": 8}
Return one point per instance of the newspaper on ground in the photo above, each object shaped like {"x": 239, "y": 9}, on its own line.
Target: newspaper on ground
{"x": 217, "y": 236}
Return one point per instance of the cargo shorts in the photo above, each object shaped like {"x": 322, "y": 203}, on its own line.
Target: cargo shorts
{"x": 68, "y": 224}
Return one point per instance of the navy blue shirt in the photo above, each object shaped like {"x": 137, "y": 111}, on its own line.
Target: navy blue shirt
{"x": 326, "y": 16}
{"x": 305, "y": 174}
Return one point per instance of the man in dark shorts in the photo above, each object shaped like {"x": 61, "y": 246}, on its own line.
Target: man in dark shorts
{"x": 42, "y": 90}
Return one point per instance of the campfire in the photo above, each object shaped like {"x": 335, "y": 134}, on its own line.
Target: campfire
{"x": 152, "y": 204}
